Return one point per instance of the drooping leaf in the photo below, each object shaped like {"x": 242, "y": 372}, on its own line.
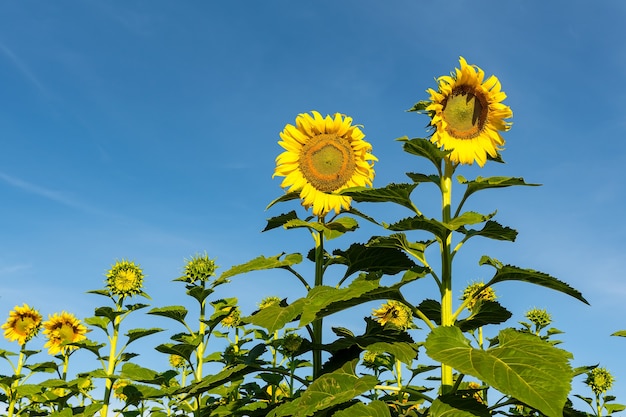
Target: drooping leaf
{"x": 481, "y": 183}
{"x": 89, "y": 345}
{"x": 373, "y": 409}
{"x": 99, "y": 322}
{"x": 399, "y": 241}
{"x": 359, "y": 257}
{"x": 484, "y": 313}
{"x": 431, "y": 309}
{"x": 294, "y": 195}
{"x": 184, "y": 350}
{"x": 420, "y": 223}
{"x": 492, "y": 230}
{"x": 328, "y": 390}
{"x": 456, "y": 406}
{"x": 279, "y": 221}
{"x": 199, "y": 293}
{"x": 513, "y": 273}
{"x": 107, "y": 312}
{"x": 425, "y": 148}
{"x": 262, "y": 263}
{"x": 417, "y": 177}
{"x": 392, "y": 193}
{"x": 356, "y": 212}
{"x": 522, "y": 366}
{"x": 177, "y": 313}
{"x": 135, "y": 334}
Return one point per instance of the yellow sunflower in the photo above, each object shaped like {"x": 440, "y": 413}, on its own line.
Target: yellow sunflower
{"x": 63, "y": 328}
{"x": 23, "y": 324}
{"x": 323, "y": 156}
{"x": 395, "y": 313}
{"x": 125, "y": 278}
{"x": 468, "y": 115}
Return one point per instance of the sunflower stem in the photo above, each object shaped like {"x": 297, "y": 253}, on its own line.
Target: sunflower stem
{"x": 108, "y": 384}
{"x": 317, "y": 323}
{"x": 15, "y": 384}
{"x": 447, "y": 317}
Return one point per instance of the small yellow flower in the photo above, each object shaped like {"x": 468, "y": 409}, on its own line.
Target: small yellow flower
{"x": 268, "y": 302}
{"x": 22, "y": 325}
{"x": 118, "y": 389}
{"x": 324, "y": 155}
{"x": 471, "y": 292}
{"x": 60, "y": 329}
{"x": 199, "y": 268}
{"x": 468, "y": 115}
{"x": 125, "y": 278}
{"x": 394, "y": 313}
{"x": 600, "y": 380}
{"x": 177, "y": 361}
{"x": 232, "y": 320}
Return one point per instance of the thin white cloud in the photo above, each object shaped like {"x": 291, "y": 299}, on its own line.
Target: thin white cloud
{"x": 40, "y": 191}
{"x": 22, "y": 67}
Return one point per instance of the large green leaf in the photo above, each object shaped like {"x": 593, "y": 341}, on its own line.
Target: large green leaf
{"x": 621, "y": 333}
{"x": 293, "y": 195}
{"x": 513, "y": 273}
{"x": 135, "y": 334}
{"x": 466, "y": 218}
{"x": 481, "y": 183}
{"x": 262, "y": 263}
{"x": 373, "y": 409}
{"x": 456, "y": 406}
{"x": 177, "y": 313}
{"x": 492, "y": 230}
{"x": 226, "y": 375}
{"x": 484, "y": 313}
{"x": 417, "y": 177}
{"x": 359, "y": 257}
{"x": 425, "y": 148}
{"x": 280, "y": 221}
{"x": 420, "y": 223}
{"x": 328, "y": 390}
{"x": 275, "y": 317}
{"x": 392, "y": 193}
{"x": 522, "y": 366}
{"x": 399, "y": 241}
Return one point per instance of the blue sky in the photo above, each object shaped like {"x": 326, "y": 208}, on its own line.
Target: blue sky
{"x": 148, "y": 131}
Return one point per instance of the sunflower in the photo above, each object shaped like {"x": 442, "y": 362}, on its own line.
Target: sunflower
{"x": 468, "y": 115}
{"x": 125, "y": 278}
{"x": 23, "y": 324}
{"x": 60, "y": 329}
{"x": 472, "y": 293}
{"x": 323, "y": 156}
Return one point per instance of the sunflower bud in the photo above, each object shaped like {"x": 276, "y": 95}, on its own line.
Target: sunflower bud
{"x": 600, "y": 380}
{"x": 199, "y": 268}
{"x": 125, "y": 278}
{"x": 539, "y": 317}
{"x": 471, "y": 293}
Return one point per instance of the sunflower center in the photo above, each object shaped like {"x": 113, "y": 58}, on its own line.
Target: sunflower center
{"x": 126, "y": 280}
{"x": 465, "y": 112}
{"x": 327, "y": 162}
{"x": 66, "y": 332}
{"x": 25, "y": 325}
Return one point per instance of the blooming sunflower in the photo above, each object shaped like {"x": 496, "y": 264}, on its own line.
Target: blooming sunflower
{"x": 63, "y": 328}
{"x": 323, "y": 156}
{"x": 468, "y": 115}
{"x": 125, "y": 278}
{"x": 23, "y": 324}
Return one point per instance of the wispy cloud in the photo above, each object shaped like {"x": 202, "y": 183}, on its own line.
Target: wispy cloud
{"x": 22, "y": 67}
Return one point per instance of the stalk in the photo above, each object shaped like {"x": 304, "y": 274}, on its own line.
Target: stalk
{"x": 108, "y": 384}
{"x": 447, "y": 317}
{"x": 317, "y": 323}
{"x": 18, "y": 371}
{"x": 200, "y": 350}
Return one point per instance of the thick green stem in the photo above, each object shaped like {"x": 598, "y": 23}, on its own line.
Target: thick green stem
{"x": 15, "y": 384}
{"x": 200, "y": 351}
{"x": 317, "y": 323}
{"x": 108, "y": 383}
{"x": 447, "y": 318}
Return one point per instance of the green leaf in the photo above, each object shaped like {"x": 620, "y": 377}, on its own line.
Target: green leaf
{"x": 42, "y": 367}
{"x": 621, "y": 333}
{"x": 425, "y": 148}
{"x": 276, "y": 317}
{"x": 399, "y": 241}
{"x": 420, "y": 223}
{"x": 614, "y": 408}
{"x": 100, "y": 322}
{"x": 328, "y": 390}
{"x": 359, "y": 257}
{"x": 522, "y": 366}
{"x": 135, "y": 334}
{"x": 279, "y": 221}
{"x": 431, "y": 309}
{"x": 184, "y": 350}
{"x": 419, "y": 178}
{"x": 262, "y": 263}
{"x": 466, "y": 218}
{"x": 373, "y": 409}
{"x": 294, "y": 195}
{"x": 455, "y": 406}
{"x": 402, "y": 351}
{"x": 177, "y": 313}
{"x": 420, "y": 106}
{"x": 481, "y": 183}
{"x": 225, "y": 376}
{"x": 199, "y": 293}
{"x": 107, "y": 312}
{"x": 484, "y": 313}
{"x": 89, "y": 345}
{"x": 392, "y": 193}
{"x": 492, "y": 230}
{"x": 340, "y": 226}
{"x": 513, "y": 273}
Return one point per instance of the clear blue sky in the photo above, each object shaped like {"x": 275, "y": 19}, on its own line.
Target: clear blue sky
{"x": 147, "y": 130}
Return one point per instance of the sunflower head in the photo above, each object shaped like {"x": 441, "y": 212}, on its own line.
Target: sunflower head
{"x": 539, "y": 317}
{"x": 324, "y": 155}
{"x": 291, "y": 343}
{"x": 125, "y": 278}
{"x": 177, "y": 361}
{"x": 61, "y": 329}
{"x": 233, "y": 317}
{"x": 199, "y": 268}
{"x": 599, "y": 380}
{"x": 468, "y": 115}
{"x": 269, "y": 301}
{"x": 472, "y": 293}
{"x": 118, "y": 389}
{"x": 396, "y": 314}
{"x": 22, "y": 325}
